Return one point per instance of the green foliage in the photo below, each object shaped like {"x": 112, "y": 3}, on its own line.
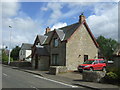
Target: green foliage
{"x": 112, "y": 76}
{"x": 15, "y": 53}
{"x": 5, "y": 57}
{"x": 114, "y": 70}
{"x": 107, "y": 46}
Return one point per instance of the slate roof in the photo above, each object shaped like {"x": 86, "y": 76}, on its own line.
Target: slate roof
{"x": 26, "y": 46}
{"x": 69, "y": 30}
{"x": 42, "y": 38}
{"x": 61, "y": 34}
{"x": 49, "y": 34}
{"x": 65, "y": 33}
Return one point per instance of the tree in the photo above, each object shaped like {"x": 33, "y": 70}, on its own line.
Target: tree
{"x": 15, "y": 53}
{"x": 5, "y": 56}
{"x": 107, "y": 46}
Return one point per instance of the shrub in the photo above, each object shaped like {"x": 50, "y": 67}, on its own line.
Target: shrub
{"x": 112, "y": 75}
{"x": 5, "y": 57}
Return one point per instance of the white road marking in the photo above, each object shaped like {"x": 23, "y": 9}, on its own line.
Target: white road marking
{"x": 55, "y": 81}
{"x": 5, "y": 74}
{"x": 34, "y": 87}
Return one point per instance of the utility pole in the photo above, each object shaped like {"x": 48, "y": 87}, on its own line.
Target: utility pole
{"x": 9, "y": 47}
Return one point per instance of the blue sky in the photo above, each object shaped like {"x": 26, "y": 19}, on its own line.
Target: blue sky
{"x": 31, "y": 18}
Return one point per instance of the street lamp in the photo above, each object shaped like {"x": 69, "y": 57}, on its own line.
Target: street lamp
{"x": 9, "y": 47}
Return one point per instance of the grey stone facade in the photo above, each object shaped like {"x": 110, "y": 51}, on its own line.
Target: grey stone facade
{"x": 60, "y": 51}
{"x": 80, "y": 44}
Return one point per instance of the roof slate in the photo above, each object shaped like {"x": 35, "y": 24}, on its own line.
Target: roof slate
{"x": 60, "y": 33}
{"x": 26, "y": 46}
{"x": 42, "y": 38}
{"x": 64, "y": 33}
{"x": 69, "y": 30}
{"x": 49, "y": 34}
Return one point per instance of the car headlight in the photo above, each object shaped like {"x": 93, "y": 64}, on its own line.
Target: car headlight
{"x": 86, "y": 66}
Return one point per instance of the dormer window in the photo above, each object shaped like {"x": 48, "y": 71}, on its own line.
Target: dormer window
{"x": 55, "y": 42}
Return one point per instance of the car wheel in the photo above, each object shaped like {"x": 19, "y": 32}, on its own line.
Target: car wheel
{"x": 104, "y": 69}
{"x": 91, "y": 69}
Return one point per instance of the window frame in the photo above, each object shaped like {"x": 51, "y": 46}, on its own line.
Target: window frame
{"x": 85, "y": 57}
{"x": 56, "y": 41}
{"x": 55, "y": 60}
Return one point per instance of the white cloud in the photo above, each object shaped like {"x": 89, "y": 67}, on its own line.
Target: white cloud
{"x": 56, "y": 12}
{"x": 58, "y": 25}
{"x": 10, "y": 8}
{"x": 105, "y": 21}
{"x": 24, "y": 29}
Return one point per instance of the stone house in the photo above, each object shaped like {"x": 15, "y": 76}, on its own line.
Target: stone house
{"x": 67, "y": 46}
{"x": 25, "y": 52}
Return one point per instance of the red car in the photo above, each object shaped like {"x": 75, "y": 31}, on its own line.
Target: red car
{"x": 93, "y": 64}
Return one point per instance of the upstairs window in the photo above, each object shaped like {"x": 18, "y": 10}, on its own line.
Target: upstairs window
{"x": 55, "y": 42}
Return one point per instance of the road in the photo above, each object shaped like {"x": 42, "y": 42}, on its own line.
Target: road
{"x": 12, "y": 78}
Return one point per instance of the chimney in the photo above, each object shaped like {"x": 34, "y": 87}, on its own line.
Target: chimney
{"x": 81, "y": 18}
{"x": 47, "y": 30}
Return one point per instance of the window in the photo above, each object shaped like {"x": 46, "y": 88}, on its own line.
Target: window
{"x": 55, "y": 42}
{"x": 102, "y": 61}
{"x": 54, "y": 59}
{"x": 96, "y": 62}
{"x": 85, "y": 57}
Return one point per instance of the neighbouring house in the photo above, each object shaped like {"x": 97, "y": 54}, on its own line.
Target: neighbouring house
{"x": 25, "y": 52}
{"x": 68, "y": 46}
{"x": 116, "y": 56}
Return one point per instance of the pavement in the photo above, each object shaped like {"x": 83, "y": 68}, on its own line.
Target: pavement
{"x": 73, "y": 77}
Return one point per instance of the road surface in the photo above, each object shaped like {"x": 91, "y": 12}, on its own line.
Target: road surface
{"x": 12, "y": 78}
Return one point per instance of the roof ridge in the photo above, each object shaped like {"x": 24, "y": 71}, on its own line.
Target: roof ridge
{"x": 69, "y": 25}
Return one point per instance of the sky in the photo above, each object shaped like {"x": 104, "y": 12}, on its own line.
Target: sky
{"x": 28, "y": 19}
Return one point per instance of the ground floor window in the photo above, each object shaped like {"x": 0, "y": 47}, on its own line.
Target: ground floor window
{"x": 55, "y": 60}
{"x": 85, "y": 57}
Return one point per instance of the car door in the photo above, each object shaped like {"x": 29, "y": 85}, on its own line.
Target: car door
{"x": 101, "y": 64}
{"x": 95, "y": 65}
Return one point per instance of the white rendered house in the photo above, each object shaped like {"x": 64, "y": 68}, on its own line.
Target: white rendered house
{"x": 25, "y": 52}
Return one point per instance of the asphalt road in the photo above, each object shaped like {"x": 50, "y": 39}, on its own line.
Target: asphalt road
{"x": 12, "y": 78}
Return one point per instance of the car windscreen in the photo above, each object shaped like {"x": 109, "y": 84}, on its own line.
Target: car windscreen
{"x": 88, "y": 62}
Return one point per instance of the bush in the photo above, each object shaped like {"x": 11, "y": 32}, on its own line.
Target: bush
{"x": 5, "y": 57}
{"x": 112, "y": 75}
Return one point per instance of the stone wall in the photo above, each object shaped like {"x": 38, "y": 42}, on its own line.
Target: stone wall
{"x": 60, "y": 50}
{"x": 20, "y": 64}
{"x": 80, "y": 44}
{"x": 43, "y": 63}
{"x": 57, "y": 69}
{"x": 93, "y": 76}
